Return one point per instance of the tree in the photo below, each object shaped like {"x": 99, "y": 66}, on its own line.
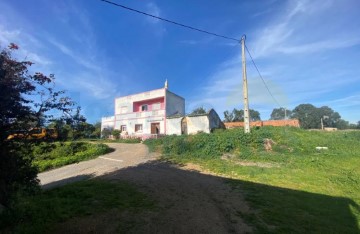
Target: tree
{"x": 329, "y": 116}
{"x": 106, "y": 132}
{"x": 228, "y": 116}
{"x": 97, "y": 130}
{"x": 342, "y": 124}
{"x": 279, "y": 113}
{"x": 198, "y": 111}
{"x": 310, "y": 116}
{"x": 254, "y": 115}
{"x": 27, "y": 100}
{"x": 238, "y": 115}
{"x": 116, "y": 133}
{"x": 307, "y": 115}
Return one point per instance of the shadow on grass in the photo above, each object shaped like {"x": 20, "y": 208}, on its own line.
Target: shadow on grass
{"x": 191, "y": 202}
{"x": 67, "y": 181}
{"x": 272, "y": 209}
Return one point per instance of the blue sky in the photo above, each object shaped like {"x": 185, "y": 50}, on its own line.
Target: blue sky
{"x": 307, "y": 51}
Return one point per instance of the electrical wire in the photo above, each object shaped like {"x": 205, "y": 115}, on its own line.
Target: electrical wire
{"x": 169, "y": 21}
{"x": 199, "y": 30}
{"x": 257, "y": 69}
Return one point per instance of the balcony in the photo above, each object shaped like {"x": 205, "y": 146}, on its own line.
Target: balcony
{"x": 142, "y": 115}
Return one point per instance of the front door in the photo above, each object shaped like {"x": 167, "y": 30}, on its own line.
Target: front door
{"x": 155, "y": 128}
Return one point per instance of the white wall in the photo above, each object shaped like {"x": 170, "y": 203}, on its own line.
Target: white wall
{"x": 174, "y": 104}
{"x": 173, "y": 126}
{"x": 198, "y": 123}
{"x": 107, "y": 122}
{"x": 129, "y": 100}
{"x": 146, "y": 124}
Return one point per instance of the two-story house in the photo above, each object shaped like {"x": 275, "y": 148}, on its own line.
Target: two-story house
{"x": 144, "y": 113}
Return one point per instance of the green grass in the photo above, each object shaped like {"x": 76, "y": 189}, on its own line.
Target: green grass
{"x": 306, "y": 190}
{"x": 42, "y": 212}
{"x": 52, "y": 155}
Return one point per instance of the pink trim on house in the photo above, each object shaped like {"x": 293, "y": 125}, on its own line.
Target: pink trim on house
{"x": 137, "y": 105}
{"x": 148, "y": 117}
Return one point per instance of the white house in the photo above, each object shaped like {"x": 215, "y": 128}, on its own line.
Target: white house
{"x": 144, "y": 114}
{"x": 194, "y": 123}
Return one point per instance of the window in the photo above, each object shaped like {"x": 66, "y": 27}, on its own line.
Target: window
{"x": 156, "y": 106}
{"x": 144, "y": 107}
{"x": 123, "y": 128}
{"x": 138, "y": 127}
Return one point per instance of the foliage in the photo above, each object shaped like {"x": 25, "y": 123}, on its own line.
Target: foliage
{"x": 97, "y": 130}
{"x": 106, "y": 132}
{"x": 52, "y": 155}
{"x": 198, "y": 111}
{"x": 116, "y": 133}
{"x": 212, "y": 145}
{"x": 41, "y": 213}
{"x": 279, "y": 113}
{"x": 238, "y": 115}
{"x": 310, "y": 117}
{"x": 27, "y": 101}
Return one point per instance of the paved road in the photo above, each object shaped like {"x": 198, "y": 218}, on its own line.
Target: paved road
{"x": 125, "y": 155}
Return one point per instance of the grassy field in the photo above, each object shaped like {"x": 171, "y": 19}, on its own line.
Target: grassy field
{"x": 87, "y": 201}
{"x": 52, "y": 155}
{"x": 294, "y": 188}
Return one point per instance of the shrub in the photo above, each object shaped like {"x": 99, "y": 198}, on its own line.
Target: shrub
{"x": 52, "y": 155}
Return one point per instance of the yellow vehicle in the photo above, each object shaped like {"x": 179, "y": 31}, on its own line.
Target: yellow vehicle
{"x": 35, "y": 134}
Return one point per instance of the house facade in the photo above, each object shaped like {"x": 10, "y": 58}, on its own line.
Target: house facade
{"x": 194, "y": 123}
{"x": 144, "y": 114}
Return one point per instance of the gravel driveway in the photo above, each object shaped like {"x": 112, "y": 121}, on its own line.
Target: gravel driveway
{"x": 125, "y": 155}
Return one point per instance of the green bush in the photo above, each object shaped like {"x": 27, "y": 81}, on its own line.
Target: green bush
{"x": 287, "y": 140}
{"x": 52, "y": 155}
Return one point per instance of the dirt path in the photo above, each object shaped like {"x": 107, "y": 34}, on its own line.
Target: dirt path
{"x": 125, "y": 155}
{"x": 190, "y": 202}
{"x": 187, "y": 200}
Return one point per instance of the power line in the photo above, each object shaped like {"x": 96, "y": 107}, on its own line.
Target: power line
{"x": 262, "y": 77}
{"x": 170, "y": 21}
{"x": 195, "y": 29}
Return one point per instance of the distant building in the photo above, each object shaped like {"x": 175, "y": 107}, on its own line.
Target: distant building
{"x": 144, "y": 114}
{"x": 192, "y": 124}
{"x": 157, "y": 112}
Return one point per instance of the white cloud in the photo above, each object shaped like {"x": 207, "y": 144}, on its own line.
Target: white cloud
{"x": 300, "y": 29}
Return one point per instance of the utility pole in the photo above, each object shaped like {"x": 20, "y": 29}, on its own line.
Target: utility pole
{"x": 245, "y": 87}
{"x": 322, "y": 124}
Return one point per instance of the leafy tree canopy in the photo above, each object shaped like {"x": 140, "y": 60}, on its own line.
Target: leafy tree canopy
{"x": 279, "y": 113}
{"x": 198, "y": 111}
{"x": 310, "y": 116}
{"x": 27, "y": 101}
{"x": 238, "y": 115}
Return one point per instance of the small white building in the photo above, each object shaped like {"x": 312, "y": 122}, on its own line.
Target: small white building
{"x": 192, "y": 124}
{"x": 144, "y": 114}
